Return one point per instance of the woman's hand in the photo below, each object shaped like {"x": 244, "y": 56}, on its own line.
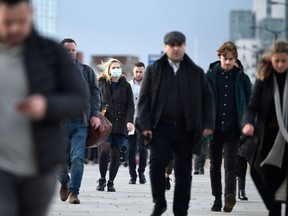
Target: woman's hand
{"x": 130, "y": 126}
{"x": 248, "y": 130}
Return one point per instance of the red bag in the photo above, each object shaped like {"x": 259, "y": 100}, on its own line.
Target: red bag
{"x": 97, "y": 136}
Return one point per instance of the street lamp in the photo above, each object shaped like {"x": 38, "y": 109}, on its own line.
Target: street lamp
{"x": 286, "y": 14}
{"x": 278, "y": 3}
{"x": 275, "y": 33}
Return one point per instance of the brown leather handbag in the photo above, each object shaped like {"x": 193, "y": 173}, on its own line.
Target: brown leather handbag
{"x": 97, "y": 136}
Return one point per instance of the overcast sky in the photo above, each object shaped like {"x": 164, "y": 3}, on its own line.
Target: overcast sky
{"x": 137, "y": 27}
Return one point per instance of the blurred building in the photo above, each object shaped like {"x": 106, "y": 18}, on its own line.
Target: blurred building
{"x": 45, "y": 17}
{"x": 240, "y": 24}
{"x": 254, "y": 31}
{"x": 127, "y": 61}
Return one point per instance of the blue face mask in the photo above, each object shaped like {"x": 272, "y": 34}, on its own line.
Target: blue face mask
{"x": 116, "y": 72}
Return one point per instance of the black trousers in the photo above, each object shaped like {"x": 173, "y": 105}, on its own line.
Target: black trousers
{"x": 229, "y": 142}
{"x": 133, "y": 143}
{"x": 172, "y": 139}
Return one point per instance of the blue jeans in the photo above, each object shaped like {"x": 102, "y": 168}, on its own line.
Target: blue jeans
{"x": 76, "y": 136}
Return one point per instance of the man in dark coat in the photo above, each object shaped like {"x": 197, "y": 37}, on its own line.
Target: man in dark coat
{"x": 39, "y": 86}
{"x": 231, "y": 89}
{"x": 176, "y": 108}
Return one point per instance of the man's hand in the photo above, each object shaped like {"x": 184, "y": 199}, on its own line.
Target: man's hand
{"x": 208, "y": 133}
{"x": 35, "y": 107}
{"x": 95, "y": 121}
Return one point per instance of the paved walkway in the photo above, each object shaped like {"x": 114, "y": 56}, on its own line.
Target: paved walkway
{"x": 135, "y": 200}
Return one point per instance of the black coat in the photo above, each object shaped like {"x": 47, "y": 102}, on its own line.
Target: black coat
{"x": 256, "y": 114}
{"x": 121, "y": 103}
{"x": 196, "y": 96}
{"x": 51, "y": 72}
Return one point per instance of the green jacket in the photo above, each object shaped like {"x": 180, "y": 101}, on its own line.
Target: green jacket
{"x": 243, "y": 89}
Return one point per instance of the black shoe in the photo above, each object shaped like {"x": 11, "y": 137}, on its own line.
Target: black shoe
{"x": 101, "y": 184}
{"x": 110, "y": 186}
{"x": 167, "y": 183}
{"x": 242, "y": 195}
{"x": 159, "y": 210}
{"x": 217, "y": 205}
{"x": 132, "y": 180}
{"x": 201, "y": 172}
{"x": 196, "y": 172}
{"x": 142, "y": 179}
{"x": 229, "y": 202}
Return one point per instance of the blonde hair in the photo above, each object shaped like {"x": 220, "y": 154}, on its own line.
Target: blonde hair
{"x": 105, "y": 67}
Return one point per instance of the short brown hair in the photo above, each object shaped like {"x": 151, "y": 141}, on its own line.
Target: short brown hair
{"x": 228, "y": 47}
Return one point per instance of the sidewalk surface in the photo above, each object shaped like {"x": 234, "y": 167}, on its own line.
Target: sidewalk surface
{"x": 135, "y": 200}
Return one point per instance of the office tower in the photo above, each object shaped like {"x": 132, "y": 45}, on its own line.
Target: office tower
{"x": 45, "y": 18}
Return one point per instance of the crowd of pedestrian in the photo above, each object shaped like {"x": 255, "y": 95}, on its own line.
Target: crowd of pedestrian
{"x": 169, "y": 114}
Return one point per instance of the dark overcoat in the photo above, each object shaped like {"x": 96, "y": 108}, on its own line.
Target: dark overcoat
{"x": 121, "y": 104}
{"x": 51, "y": 73}
{"x": 196, "y": 96}
{"x": 256, "y": 114}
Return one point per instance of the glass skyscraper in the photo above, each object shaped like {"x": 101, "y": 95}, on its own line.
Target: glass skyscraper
{"x": 45, "y": 17}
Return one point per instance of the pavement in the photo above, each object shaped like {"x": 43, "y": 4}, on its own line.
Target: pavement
{"x": 136, "y": 200}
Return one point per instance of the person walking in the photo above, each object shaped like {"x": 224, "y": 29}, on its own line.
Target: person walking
{"x": 76, "y": 129}
{"x": 117, "y": 99}
{"x": 231, "y": 89}
{"x": 38, "y": 87}
{"x": 174, "y": 110}
{"x": 200, "y": 159}
{"x": 242, "y": 162}
{"x": 138, "y": 72}
{"x": 265, "y": 121}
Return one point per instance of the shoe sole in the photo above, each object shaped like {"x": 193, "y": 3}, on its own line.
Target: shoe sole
{"x": 74, "y": 202}
{"x": 229, "y": 203}
{"x": 159, "y": 213}
{"x": 100, "y": 189}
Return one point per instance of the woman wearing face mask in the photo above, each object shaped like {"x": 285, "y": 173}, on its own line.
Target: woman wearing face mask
{"x": 117, "y": 98}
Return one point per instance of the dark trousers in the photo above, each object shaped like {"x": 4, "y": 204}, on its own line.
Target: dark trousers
{"x": 168, "y": 140}
{"x": 26, "y": 196}
{"x": 229, "y": 142}
{"x": 133, "y": 143}
{"x": 200, "y": 159}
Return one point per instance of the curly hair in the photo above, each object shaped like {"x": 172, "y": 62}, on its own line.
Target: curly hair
{"x": 228, "y": 46}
